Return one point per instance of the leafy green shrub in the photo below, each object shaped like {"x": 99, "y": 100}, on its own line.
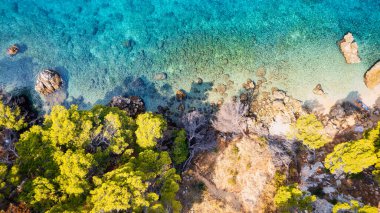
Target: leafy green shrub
{"x": 90, "y": 161}
{"x": 11, "y": 118}
{"x": 355, "y": 156}
{"x": 310, "y": 131}
{"x": 292, "y": 199}
{"x": 353, "y": 206}
{"x": 180, "y": 149}
{"x": 150, "y": 128}
{"x": 351, "y": 157}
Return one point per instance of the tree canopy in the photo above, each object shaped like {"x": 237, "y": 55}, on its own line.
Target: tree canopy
{"x": 353, "y": 206}
{"x": 11, "y": 118}
{"x": 355, "y": 156}
{"x": 292, "y": 199}
{"x": 310, "y": 131}
{"x": 97, "y": 160}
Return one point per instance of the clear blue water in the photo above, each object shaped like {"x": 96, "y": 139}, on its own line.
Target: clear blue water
{"x": 294, "y": 40}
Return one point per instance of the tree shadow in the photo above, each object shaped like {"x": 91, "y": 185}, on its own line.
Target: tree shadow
{"x": 161, "y": 98}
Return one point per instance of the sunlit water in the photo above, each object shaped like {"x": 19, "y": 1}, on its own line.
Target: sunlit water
{"x": 85, "y": 41}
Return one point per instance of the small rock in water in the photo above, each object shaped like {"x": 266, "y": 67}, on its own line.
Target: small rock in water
{"x": 129, "y": 43}
{"x": 249, "y": 84}
{"x": 349, "y": 48}
{"x": 48, "y": 81}
{"x": 180, "y": 95}
{"x": 372, "y": 76}
{"x": 318, "y": 90}
{"x": 12, "y": 50}
{"x": 199, "y": 81}
{"x": 160, "y": 76}
{"x": 181, "y": 107}
{"x": 261, "y": 72}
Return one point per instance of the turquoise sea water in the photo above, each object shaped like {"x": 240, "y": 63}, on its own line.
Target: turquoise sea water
{"x": 84, "y": 40}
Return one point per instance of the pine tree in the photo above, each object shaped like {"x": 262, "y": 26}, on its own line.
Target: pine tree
{"x": 310, "y": 131}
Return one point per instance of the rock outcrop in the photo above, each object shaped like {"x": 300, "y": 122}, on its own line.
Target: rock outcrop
{"x": 349, "y": 49}
{"x": 48, "y": 82}
{"x": 12, "y": 50}
{"x": 318, "y": 90}
{"x": 180, "y": 95}
{"x": 372, "y": 76}
{"x": 133, "y": 105}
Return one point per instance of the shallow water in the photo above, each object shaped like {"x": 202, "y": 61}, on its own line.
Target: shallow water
{"x": 294, "y": 40}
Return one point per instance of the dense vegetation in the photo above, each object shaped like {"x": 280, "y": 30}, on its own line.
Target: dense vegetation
{"x": 354, "y": 156}
{"x": 292, "y": 199}
{"x": 97, "y": 160}
{"x": 310, "y": 131}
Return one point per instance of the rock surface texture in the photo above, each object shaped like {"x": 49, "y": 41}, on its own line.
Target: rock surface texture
{"x": 349, "y": 49}
{"x": 318, "y": 90}
{"x": 372, "y": 76}
{"x": 133, "y": 105}
{"x": 48, "y": 82}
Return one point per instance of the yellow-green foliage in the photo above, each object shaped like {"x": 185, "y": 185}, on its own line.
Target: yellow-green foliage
{"x": 150, "y": 128}
{"x": 73, "y": 168}
{"x": 89, "y": 161}
{"x": 355, "y": 156}
{"x": 353, "y": 207}
{"x": 180, "y": 150}
{"x": 11, "y": 119}
{"x": 43, "y": 191}
{"x": 292, "y": 199}
{"x": 310, "y": 131}
{"x": 351, "y": 157}
{"x": 3, "y": 174}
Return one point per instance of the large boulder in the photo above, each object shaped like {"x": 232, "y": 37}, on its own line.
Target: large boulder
{"x": 372, "y": 76}
{"x": 133, "y": 105}
{"x": 48, "y": 81}
{"x": 349, "y": 49}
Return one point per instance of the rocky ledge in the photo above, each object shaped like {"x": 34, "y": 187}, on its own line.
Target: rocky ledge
{"x": 48, "y": 82}
{"x": 133, "y": 105}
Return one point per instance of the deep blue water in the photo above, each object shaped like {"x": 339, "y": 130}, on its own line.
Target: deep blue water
{"x": 84, "y": 40}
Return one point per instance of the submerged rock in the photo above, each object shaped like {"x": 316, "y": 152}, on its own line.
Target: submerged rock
{"x": 160, "y": 76}
{"x": 133, "y": 105}
{"x": 12, "y": 50}
{"x": 199, "y": 81}
{"x": 48, "y": 82}
{"x": 318, "y": 90}
{"x": 180, "y": 95}
{"x": 372, "y": 76}
{"x": 349, "y": 49}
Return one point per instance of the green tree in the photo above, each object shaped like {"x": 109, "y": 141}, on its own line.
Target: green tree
{"x": 73, "y": 169}
{"x": 180, "y": 149}
{"x": 353, "y": 206}
{"x": 351, "y": 157}
{"x": 121, "y": 190}
{"x": 11, "y": 118}
{"x": 292, "y": 199}
{"x": 150, "y": 127}
{"x": 35, "y": 154}
{"x": 310, "y": 131}
{"x": 88, "y": 160}
{"x": 43, "y": 193}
